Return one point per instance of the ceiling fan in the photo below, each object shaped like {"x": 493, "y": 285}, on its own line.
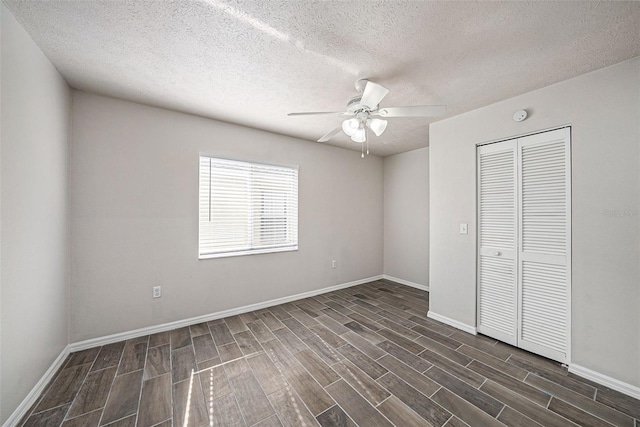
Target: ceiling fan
{"x": 364, "y": 110}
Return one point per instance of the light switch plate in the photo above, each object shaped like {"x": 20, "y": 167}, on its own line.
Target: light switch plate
{"x": 464, "y": 228}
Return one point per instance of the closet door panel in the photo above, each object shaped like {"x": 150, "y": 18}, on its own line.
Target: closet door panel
{"x": 544, "y": 230}
{"x": 497, "y": 238}
{"x": 544, "y": 308}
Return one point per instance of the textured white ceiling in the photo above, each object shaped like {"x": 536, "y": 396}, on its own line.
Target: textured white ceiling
{"x": 251, "y": 62}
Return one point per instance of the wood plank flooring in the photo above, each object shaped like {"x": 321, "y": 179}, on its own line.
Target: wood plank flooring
{"x": 362, "y": 356}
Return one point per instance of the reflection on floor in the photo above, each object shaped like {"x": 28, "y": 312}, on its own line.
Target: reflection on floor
{"x": 365, "y": 355}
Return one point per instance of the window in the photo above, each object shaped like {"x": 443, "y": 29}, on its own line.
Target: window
{"x": 246, "y": 208}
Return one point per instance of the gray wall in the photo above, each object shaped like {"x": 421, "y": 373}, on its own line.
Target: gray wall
{"x": 406, "y": 216}
{"x": 36, "y": 105}
{"x": 603, "y": 108}
{"x": 134, "y": 186}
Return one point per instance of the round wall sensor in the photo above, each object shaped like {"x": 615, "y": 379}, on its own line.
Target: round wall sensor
{"x": 519, "y": 115}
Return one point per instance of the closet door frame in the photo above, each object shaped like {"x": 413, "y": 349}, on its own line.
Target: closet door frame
{"x": 567, "y": 129}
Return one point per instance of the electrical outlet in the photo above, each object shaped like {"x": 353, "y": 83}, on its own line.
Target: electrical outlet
{"x": 334, "y": 263}
{"x": 157, "y": 291}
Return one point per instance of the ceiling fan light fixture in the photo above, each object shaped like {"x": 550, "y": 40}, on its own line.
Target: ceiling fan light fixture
{"x": 359, "y": 136}
{"x": 350, "y": 126}
{"x": 377, "y": 126}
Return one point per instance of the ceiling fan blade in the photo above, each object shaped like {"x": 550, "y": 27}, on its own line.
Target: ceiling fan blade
{"x": 373, "y": 94}
{"x": 330, "y": 134}
{"x": 315, "y": 113}
{"x": 414, "y": 111}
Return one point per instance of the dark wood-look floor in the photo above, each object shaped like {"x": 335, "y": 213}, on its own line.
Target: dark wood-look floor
{"x": 366, "y": 356}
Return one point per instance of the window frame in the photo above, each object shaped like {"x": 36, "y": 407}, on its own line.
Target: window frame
{"x": 256, "y": 250}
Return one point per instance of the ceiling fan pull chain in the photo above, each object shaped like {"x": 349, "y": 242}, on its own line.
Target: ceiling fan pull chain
{"x": 366, "y": 138}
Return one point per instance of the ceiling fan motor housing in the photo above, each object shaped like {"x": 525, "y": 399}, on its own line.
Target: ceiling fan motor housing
{"x": 355, "y": 107}
{"x": 354, "y": 104}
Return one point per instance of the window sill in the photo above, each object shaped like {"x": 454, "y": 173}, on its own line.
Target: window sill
{"x": 249, "y": 252}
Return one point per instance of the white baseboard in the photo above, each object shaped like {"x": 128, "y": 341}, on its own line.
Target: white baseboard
{"x": 605, "y": 380}
{"x": 35, "y": 392}
{"x": 33, "y": 395}
{"x": 448, "y": 321}
{"x": 406, "y": 282}
{"x": 121, "y": 336}
{"x": 82, "y": 345}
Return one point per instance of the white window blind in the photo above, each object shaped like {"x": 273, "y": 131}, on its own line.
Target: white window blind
{"x": 246, "y": 208}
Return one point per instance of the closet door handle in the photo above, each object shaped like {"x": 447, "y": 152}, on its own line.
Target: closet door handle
{"x": 497, "y": 253}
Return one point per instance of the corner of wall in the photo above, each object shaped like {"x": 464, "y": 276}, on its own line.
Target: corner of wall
{"x": 36, "y": 129}
{"x": 69, "y": 202}
{"x": 406, "y": 217}
{"x": 2, "y": 417}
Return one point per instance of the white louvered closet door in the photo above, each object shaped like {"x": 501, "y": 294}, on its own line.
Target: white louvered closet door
{"x": 524, "y": 236}
{"x": 545, "y": 236}
{"x": 497, "y": 232}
